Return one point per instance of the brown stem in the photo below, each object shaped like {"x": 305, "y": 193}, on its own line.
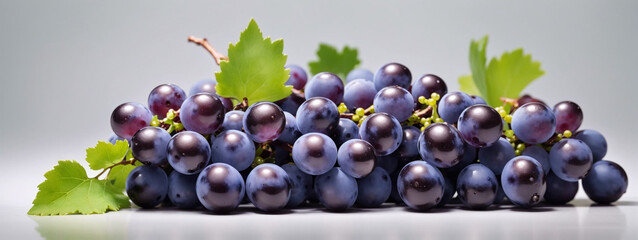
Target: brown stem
{"x": 243, "y": 105}
{"x": 123, "y": 162}
{"x": 298, "y": 93}
{"x": 346, "y": 115}
{"x": 426, "y": 112}
{"x": 511, "y": 101}
{"x": 204, "y": 43}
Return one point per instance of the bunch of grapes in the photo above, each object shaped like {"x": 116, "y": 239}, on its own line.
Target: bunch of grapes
{"x": 380, "y": 138}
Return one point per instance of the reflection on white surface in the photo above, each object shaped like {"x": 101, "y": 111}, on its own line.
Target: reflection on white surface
{"x": 576, "y": 221}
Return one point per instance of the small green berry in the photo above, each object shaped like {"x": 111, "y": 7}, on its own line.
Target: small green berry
{"x": 509, "y": 133}
{"x": 518, "y": 152}
{"x": 422, "y": 100}
{"x": 508, "y": 119}
{"x": 435, "y": 96}
{"x": 567, "y": 134}
{"x": 178, "y": 127}
{"x": 520, "y": 147}
{"x": 360, "y": 111}
{"x": 356, "y": 118}
{"x": 438, "y": 120}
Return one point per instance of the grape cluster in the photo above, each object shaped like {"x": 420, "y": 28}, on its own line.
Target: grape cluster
{"x": 380, "y": 138}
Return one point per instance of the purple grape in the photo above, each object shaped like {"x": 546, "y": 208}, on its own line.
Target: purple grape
{"x": 538, "y": 153}
{"x": 188, "y": 152}
{"x": 389, "y": 162}
{"x": 220, "y": 187}
{"x": 149, "y": 145}
{"x": 395, "y": 101}
{"x": 359, "y": 93}
{"x": 452, "y": 105}
{"x": 291, "y": 133}
{"x": 480, "y": 125}
{"x": 595, "y": 141}
{"x": 559, "y": 191}
{"x": 523, "y": 181}
{"x": 606, "y": 182}
{"x": 478, "y": 100}
{"x": 374, "y": 189}
{"x": 298, "y": 77}
{"x": 383, "y": 131}
{"x": 420, "y": 185}
{"x": 147, "y": 186}
{"x": 570, "y": 159}
{"x": 336, "y": 190}
{"x": 441, "y": 145}
{"x": 477, "y": 186}
{"x": 181, "y": 190}
{"x": 326, "y": 85}
{"x": 360, "y": 73}
{"x": 356, "y": 158}
{"x": 202, "y": 113}
{"x": 233, "y": 148}
{"x": 409, "y": 148}
{"x": 534, "y": 123}
{"x": 268, "y": 187}
{"x": 346, "y": 130}
{"x": 301, "y": 185}
{"x": 497, "y": 155}
{"x": 314, "y": 153}
{"x": 392, "y": 74}
{"x": 426, "y": 85}
{"x": 165, "y": 97}
{"x": 233, "y": 120}
{"x": 569, "y": 116}
{"x": 208, "y": 86}
{"x": 291, "y": 103}
{"x": 264, "y": 121}
{"x": 128, "y": 118}
{"x": 318, "y": 114}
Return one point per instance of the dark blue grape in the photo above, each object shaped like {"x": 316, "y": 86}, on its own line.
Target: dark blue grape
{"x": 389, "y": 162}
{"x": 336, "y": 190}
{"x": 291, "y": 103}
{"x": 147, "y": 186}
{"x": 596, "y": 142}
{"x": 356, "y": 158}
{"x": 359, "y": 93}
{"x": 497, "y": 155}
{"x": 268, "y": 187}
{"x": 395, "y": 101}
{"x": 298, "y": 77}
{"x": 606, "y": 182}
{"x": 149, "y": 145}
{"x": 220, "y": 187}
{"x": 346, "y": 130}
{"x": 291, "y": 133}
{"x": 420, "y": 185}
{"x": 318, "y": 114}
{"x": 202, "y": 113}
{"x": 233, "y": 148}
{"x": 165, "y": 97}
{"x": 559, "y": 191}
{"x": 478, "y": 100}
{"x": 441, "y": 145}
{"x": 264, "y": 121}
{"x": 383, "y": 131}
{"x": 477, "y": 186}
{"x": 233, "y": 120}
{"x": 534, "y": 123}
{"x": 568, "y": 115}
{"x": 523, "y": 181}
{"x": 188, "y": 152}
{"x": 208, "y": 86}
{"x": 480, "y": 125}
{"x": 181, "y": 190}
{"x": 452, "y": 105}
{"x": 360, "y": 73}
{"x": 326, "y": 85}
{"x": 426, "y": 85}
{"x": 314, "y": 153}
{"x": 538, "y": 153}
{"x": 374, "y": 189}
{"x": 392, "y": 74}
{"x": 301, "y": 185}
{"x": 128, "y": 118}
{"x": 570, "y": 159}
{"x": 409, "y": 148}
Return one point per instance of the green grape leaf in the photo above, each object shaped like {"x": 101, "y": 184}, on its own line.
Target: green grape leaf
{"x": 509, "y": 75}
{"x": 255, "y": 69}
{"x": 467, "y": 85}
{"x": 68, "y": 190}
{"x": 478, "y": 62}
{"x": 105, "y": 154}
{"x": 118, "y": 174}
{"x": 331, "y": 60}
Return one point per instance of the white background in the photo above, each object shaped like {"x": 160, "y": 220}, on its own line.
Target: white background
{"x": 65, "y": 65}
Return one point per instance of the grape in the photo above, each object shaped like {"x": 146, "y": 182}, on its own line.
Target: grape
{"x": 147, "y": 186}
{"x": 336, "y": 190}
{"x": 409, "y": 148}
{"x": 314, "y": 153}
{"x": 374, "y": 189}
{"x": 298, "y": 77}
{"x": 208, "y": 86}
{"x": 389, "y": 162}
{"x": 395, "y": 101}
{"x": 301, "y": 185}
{"x": 569, "y": 116}
{"x": 268, "y": 187}
{"x": 478, "y": 100}
{"x": 497, "y": 155}
{"x": 523, "y": 181}
{"x": 452, "y": 105}
{"x": 114, "y": 138}
{"x": 165, "y": 97}
{"x": 264, "y": 121}
{"x": 420, "y": 185}
{"x": 356, "y": 158}
{"x": 539, "y": 154}
{"x": 477, "y": 186}
{"x": 441, "y": 145}
{"x": 559, "y": 191}
{"x": 291, "y": 103}
{"x": 326, "y": 85}
{"x": 534, "y": 123}
{"x": 291, "y": 133}
{"x": 188, "y": 152}
{"x": 383, "y": 131}
{"x": 149, "y": 145}
{"x": 606, "y": 182}
{"x": 233, "y": 120}
{"x": 480, "y": 125}
{"x": 359, "y": 93}
{"x": 129, "y": 117}
{"x": 570, "y": 159}
{"x": 360, "y": 73}
{"x": 318, "y": 115}
{"x": 426, "y": 85}
{"x": 392, "y": 74}
{"x": 500, "y": 195}
{"x": 181, "y": 190}
{"x": 469, "y": 157}
{"x": 202, "y": 113}
{"x": 595, "y": 141}
{"x": 448, "y": 191}
{"x": 233, "y": 148}
{"x": 220, "y": 187}
{"x": 525, "y": 99}
{"x": 346, "y": 130}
